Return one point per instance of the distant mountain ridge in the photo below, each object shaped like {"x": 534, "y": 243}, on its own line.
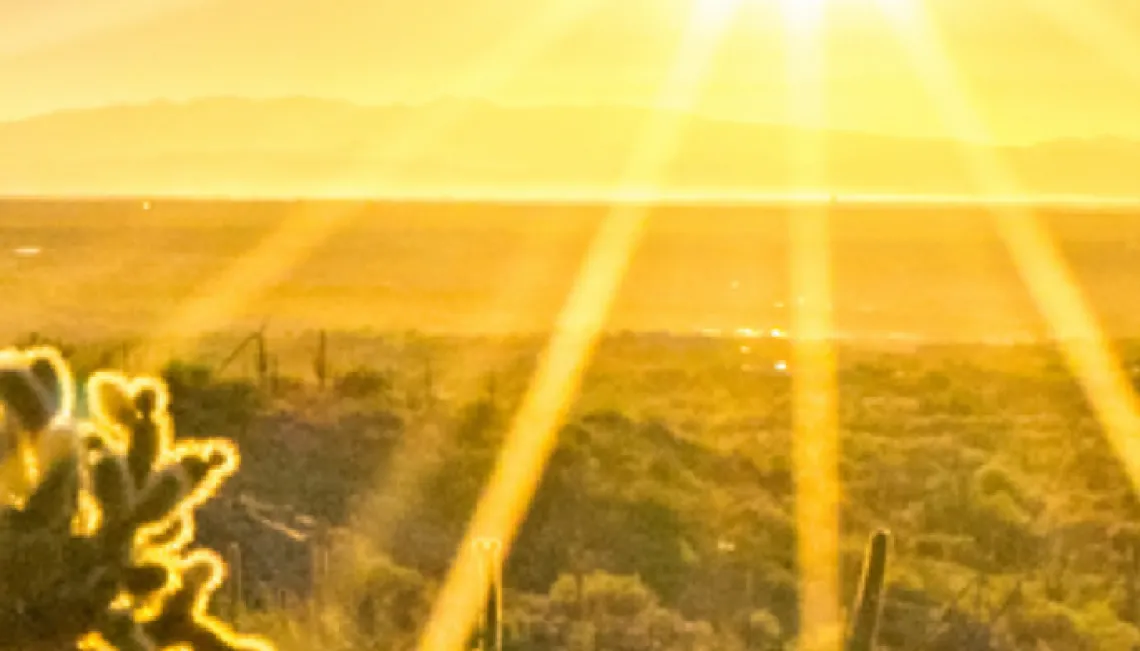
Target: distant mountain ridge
{"x": 305, "y": 145}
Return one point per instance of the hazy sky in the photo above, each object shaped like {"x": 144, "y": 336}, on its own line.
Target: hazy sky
{"x": 1033, "y": 72}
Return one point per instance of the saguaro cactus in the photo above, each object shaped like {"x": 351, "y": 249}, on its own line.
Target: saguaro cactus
{"x": 263, "y": 363}
{"x": 97, "y": 552}
{"x": 321, "y": 362}
{"x": 869, "y": 603}
{"x": 489, "y": 635}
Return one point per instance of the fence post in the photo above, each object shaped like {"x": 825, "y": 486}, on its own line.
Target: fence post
{"x": 493, "y": 389}
{"x": 262, "y": 362}
{"x": 318, "y": 578}
{"x": 236, "y": 596}
{"x": 429, "y": 384}
{"x": 274, "y": 375}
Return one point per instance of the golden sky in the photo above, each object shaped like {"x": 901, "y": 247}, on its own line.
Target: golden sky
{"x": 1035, "y": 69}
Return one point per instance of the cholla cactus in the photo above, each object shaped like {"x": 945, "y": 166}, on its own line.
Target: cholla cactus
{"x": 97, "y": 518}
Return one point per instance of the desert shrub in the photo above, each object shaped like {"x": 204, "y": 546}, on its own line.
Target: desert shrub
{"x": 763, "y": 630}
{"x": 615, "y": 612}
{"x": 206, "y": 405}
{"x": 363, "y": 382}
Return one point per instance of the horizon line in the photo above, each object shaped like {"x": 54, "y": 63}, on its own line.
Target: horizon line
{"x": 650, "y": 197}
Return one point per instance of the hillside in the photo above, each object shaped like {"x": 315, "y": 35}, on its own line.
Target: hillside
{"x": 301, "y": 146}
{"x": 670, "y": 494}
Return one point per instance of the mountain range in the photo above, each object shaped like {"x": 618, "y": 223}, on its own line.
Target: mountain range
{"x": 304, "y": 146}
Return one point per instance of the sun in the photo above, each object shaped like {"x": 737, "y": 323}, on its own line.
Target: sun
{"x": 801, "y": 13}
{"x": 715, "y": 10}
{"x": 797, "y": 14}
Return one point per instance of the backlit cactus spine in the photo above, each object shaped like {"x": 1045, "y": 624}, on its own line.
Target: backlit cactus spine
{"x": 96, "y": 530}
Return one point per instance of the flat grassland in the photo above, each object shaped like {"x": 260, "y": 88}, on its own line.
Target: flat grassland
{"x": 96, "y": 269}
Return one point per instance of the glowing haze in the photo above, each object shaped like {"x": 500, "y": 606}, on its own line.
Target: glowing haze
{"x": 1035, "y": 74}
{"x": 1035, "y": 70}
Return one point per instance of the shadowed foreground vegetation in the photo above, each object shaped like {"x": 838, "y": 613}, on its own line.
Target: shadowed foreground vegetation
{"x": 664, "y": 520}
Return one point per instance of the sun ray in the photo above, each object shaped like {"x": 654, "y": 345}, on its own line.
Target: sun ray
{"x": 815, "y": 440}
{"x": 217, "y": 298}
{"x": 399, "y": 483}
{"x": 816, "y": 434}
{"x": 715, "y": 10}
{"x": 802, "y": 17}
{"x": 1034, "y": 252}
{"x": 44, "y": 26}
{"x": 304, "y": 232}
{"x": 532, "y": 434}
